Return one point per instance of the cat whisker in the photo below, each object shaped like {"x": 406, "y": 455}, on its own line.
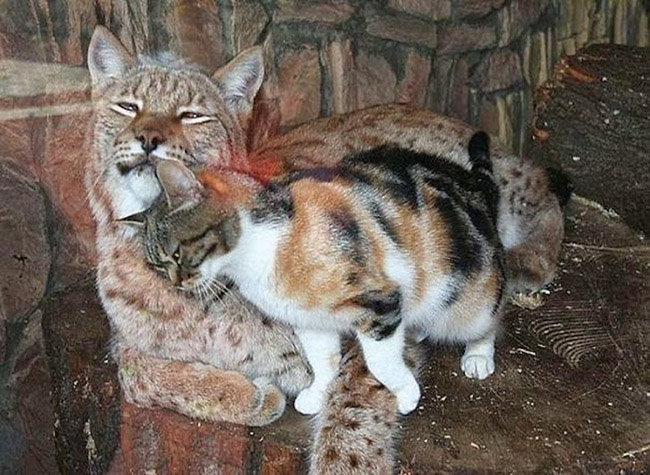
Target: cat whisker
{"x": 94, "y": 185}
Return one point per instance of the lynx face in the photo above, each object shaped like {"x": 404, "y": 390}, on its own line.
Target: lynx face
{"x": 150, "y": 109}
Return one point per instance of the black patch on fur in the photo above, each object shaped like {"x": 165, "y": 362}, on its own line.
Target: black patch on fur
{"x": 465, "y": 252}
{"x": 348, "y": 235}
{"x": 381, "y": 219}
{"x": 379, "y": 302}
{"x": 386, "y": 306}
{"x": 452, "y": 298}
{"x": 560, "y": 185}
{"x": 483, "y": 222}
{"x": 479, "y": 152}
{"x": 289, "y": 354}
{"x": 398, "y": 162}
{"x": 322, "y": 174}
{"x": 381, "y": 330}
{"x": 274, "y": 203}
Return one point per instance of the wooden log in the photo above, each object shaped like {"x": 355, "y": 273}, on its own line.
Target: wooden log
{"x": 85, "y": 391}
{"x": 593, "y": 119}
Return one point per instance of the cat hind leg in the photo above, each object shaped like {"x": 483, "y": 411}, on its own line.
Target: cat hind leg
{"x": 385, "y": 360}
{"x": 382, "y": 338}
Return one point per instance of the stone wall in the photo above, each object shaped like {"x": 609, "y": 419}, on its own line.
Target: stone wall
{"x": 477, "y": 60}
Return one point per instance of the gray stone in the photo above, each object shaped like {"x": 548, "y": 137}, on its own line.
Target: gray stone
{"x": 248, "y": 19}
{"x": 412, "y": 87}
{"x": 429, "y": 9}
{"x": 404, "y": 30}
{"x": 375, "y": 80}
{"x": 25, "y": 257}
{"x": 299, "y": 85}
{"x": 500, "y": 70}
{"x": 459, "y": 91}
{"x": 476, "y": 8}
{"x": 466, "y": 37}
{"x": 518, "y": 16}
{"x": 299, "y": 10}
{"x": 339, "y": 62}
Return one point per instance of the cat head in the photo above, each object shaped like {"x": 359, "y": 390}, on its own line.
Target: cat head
{"x": 192, "y": 223}
{"x": 149, "y": 109}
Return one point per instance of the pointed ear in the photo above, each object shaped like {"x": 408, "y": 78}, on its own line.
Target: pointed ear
{"x": 136, "y": 219}
{"x": 179, "y": 184}
{"x": 241, "y": 78}
{"x": 107, "y": 57}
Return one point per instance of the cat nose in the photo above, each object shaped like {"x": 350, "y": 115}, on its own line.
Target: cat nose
{"x": 150, "y": 139}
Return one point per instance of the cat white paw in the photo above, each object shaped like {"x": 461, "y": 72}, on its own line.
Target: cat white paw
{"x": 477, "y": 366}
{"x": 408, "y": 398}
{"x": 310, "y": 401}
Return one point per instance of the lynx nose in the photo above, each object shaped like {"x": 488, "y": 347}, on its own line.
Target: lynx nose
{"x": 150, "y": 139}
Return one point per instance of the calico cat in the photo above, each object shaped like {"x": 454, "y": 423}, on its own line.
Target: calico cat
{"x": 388, "y": 241}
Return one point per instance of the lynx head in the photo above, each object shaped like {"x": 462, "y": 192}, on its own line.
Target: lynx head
{"x": 153, "y": 108}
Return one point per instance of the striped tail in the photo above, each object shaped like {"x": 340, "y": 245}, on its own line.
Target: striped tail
{"x": 479, "y": 156}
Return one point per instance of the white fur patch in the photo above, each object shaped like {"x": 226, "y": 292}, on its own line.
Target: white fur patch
{"x": 478, "y": 359}
{"x": 323, "y": 350}
{"x": 385, "y": 361}
{"x": 136, "y": 192}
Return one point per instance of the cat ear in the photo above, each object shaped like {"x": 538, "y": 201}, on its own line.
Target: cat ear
{"x": 179, "y": 184}
{"x": 136, "y": 219}
{"x": 240, "y": 79}
{"x": 107, "y": 57}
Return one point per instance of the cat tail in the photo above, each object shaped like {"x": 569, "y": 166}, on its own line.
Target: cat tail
{"x": 478, "y": 150}
{"x": 356, "y": 431}
{"x": 479, "y": 153}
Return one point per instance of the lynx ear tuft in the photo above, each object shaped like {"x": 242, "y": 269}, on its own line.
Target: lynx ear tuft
{"x": 107, "y": 57}
{"x": 240, "y": 79}
{"x": 179, "y": 184}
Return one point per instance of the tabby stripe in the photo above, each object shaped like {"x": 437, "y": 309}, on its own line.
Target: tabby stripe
{"x": 348, "y": 235}
{"x": 465, "y": 250}
{"x": 195, "y": 239}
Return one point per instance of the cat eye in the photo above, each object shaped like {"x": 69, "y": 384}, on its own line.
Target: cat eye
{"x": 177, "y": 255}
{"x": 192, "y": 117}
{"x": 126, "y": 108}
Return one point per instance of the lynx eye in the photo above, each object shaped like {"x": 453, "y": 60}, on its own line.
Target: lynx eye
{"x": 177, "y": 255}
{"x": 193, "y": 117}
{"x": 126, "y": 108}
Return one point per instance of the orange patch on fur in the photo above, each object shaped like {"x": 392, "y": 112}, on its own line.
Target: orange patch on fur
{"x": 213, "y": 182}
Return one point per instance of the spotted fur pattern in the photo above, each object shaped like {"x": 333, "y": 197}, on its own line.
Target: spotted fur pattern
{"x": 218, "y": 359}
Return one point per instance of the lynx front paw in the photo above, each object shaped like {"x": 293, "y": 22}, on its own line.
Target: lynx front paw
{"x": 295, "y": 378}
{"x": 310, "y": 401}
{"x": 408, "y": 398}
{"x": 272, "y": 403}
{"x": 477, "y": 366}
